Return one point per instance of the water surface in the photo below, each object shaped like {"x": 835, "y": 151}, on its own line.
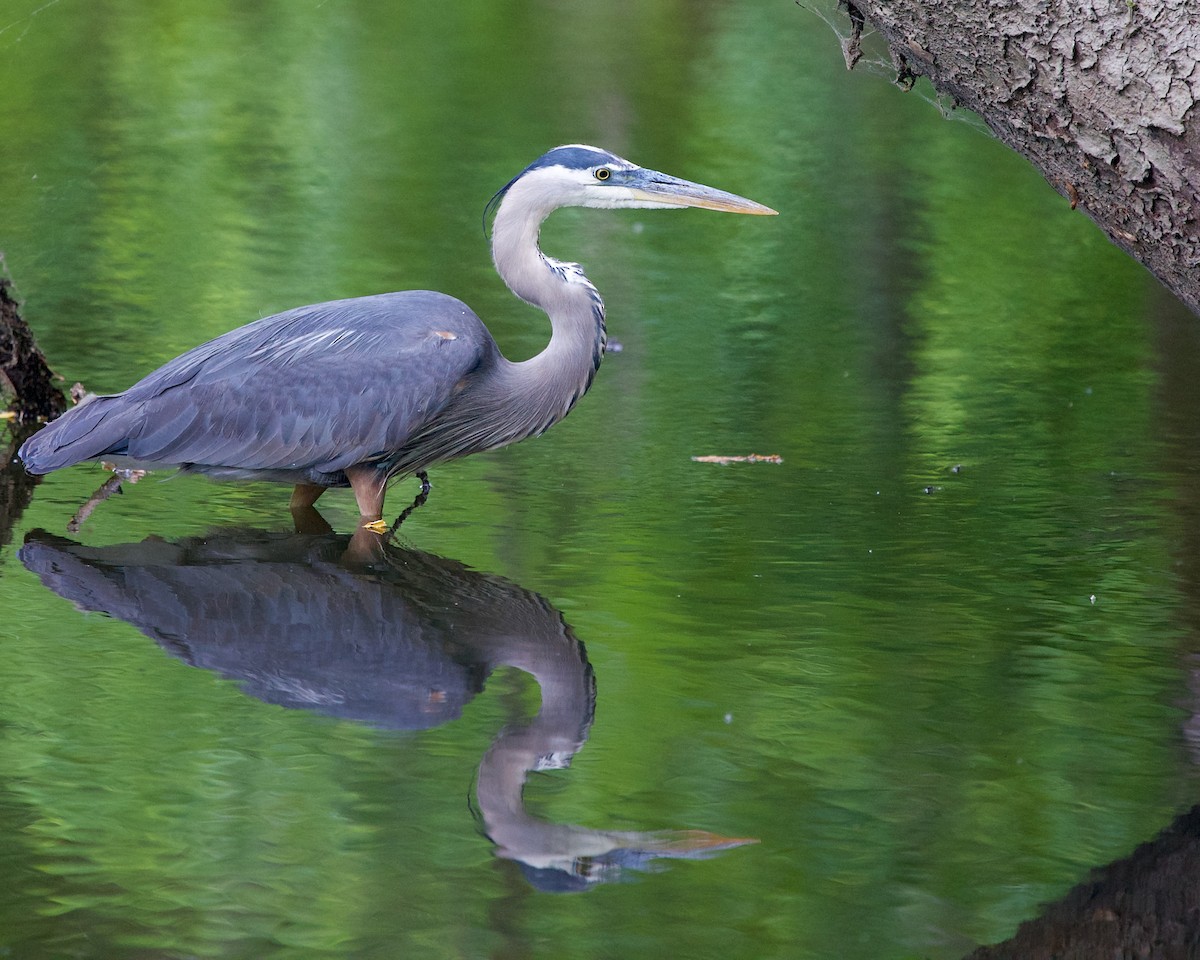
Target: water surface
{"x": 936, "y": 662}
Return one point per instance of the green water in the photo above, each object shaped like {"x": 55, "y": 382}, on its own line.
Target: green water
{"x": 936, "y": 663}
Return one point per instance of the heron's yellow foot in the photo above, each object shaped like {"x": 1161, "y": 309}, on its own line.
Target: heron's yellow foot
{"x": 376, "y": 526}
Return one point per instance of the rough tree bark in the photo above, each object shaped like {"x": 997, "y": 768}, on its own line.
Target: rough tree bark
{"x": 28, "y": 385}
{"x": 26, "y": 381}
{"x": 1101, "y": 95}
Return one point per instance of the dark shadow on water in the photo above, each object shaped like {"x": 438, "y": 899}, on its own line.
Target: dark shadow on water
{"x": 359, "y": 629}
{"x": 16, "y": 486}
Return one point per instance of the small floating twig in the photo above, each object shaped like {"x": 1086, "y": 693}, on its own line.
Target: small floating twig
{"x": 745, "y": 458}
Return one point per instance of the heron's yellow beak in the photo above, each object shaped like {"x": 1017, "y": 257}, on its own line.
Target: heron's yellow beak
{"x": 660, "y": 189}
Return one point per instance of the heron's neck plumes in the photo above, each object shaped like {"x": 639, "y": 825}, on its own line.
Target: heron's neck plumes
{"x": 560, "y": 374}
{"x": 529, "y": 273}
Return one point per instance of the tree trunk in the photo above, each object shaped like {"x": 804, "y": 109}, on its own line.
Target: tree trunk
{"x": 1143, "y": 906}
{"x": 26, "y": 381}
{"x": 27, "y": 384}
{"x": 1100, "y": 95}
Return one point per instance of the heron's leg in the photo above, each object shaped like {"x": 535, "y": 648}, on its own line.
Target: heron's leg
{"x": 309, "y": 520}
{"x": 369, "y": 485}
{"x": 305, "y": 495}
{"x": 365, "y": 547}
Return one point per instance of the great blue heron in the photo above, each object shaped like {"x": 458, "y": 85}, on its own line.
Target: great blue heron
{"x": 357, "y": 392}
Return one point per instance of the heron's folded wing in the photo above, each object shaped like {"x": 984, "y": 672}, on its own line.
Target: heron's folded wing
{"x": 323, "y": 387}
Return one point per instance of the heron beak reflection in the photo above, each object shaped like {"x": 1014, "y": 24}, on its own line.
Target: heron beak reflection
{"x": 660, "y": 188}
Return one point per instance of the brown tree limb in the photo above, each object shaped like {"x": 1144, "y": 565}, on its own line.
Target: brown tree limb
{"x": 1100, "y": 95}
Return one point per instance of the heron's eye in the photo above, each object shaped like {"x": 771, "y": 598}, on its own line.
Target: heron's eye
{"x": 602, "y": 173}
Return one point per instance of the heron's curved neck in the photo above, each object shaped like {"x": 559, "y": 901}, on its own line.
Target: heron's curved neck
{"x": 561, "y": 373}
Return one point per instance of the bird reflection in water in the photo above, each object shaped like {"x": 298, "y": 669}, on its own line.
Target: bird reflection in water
{"x": 357, "y": 628}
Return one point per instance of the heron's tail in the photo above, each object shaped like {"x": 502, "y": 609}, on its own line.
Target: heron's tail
{"x": 92, "y": 429}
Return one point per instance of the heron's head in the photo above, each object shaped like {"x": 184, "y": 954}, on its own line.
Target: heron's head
{"x": 581, "y": 176}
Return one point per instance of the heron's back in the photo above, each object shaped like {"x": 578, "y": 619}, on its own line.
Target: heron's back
{"x": 299, "y": 395}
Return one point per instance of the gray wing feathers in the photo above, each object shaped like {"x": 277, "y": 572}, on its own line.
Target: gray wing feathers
{"x": 320, "y": 387}
{"x": 98, "y": 425}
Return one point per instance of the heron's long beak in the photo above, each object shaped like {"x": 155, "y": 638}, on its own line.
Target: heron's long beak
{"x": 651, "y": 186}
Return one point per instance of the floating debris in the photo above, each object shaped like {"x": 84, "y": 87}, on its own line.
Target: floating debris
{"x": 747, "y": 458}
{"x": 376, "y": 526}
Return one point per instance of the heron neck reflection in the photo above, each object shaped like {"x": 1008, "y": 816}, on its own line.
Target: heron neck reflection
{"x": 388, "y": 637}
